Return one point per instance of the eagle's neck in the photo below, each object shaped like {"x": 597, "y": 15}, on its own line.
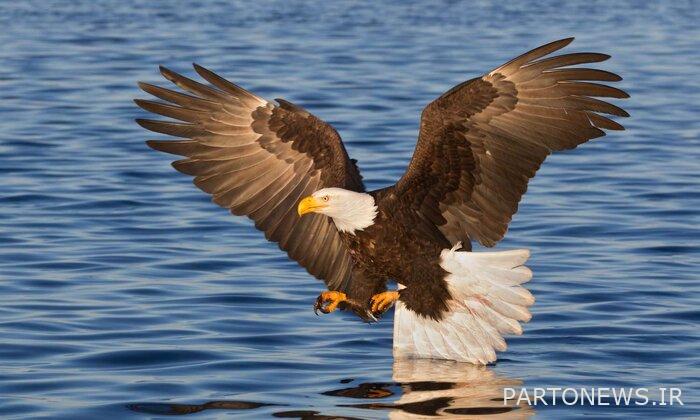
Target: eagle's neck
{"x": 356, "y": 214}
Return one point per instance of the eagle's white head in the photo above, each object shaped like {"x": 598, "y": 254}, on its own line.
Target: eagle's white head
{"x": 351, "y": 211}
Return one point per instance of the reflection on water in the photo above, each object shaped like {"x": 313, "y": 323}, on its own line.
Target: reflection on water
{"x": 424, "y": 387}
{"x": 171, "y": 409}
{"x": 465, "y": 389}
{"x": 179, "y": 409}
{"x": 440, "y": 388}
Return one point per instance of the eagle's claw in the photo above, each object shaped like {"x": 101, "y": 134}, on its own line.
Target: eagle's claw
{"x": 381, "y": 302}
{"x": 328, "y": 301}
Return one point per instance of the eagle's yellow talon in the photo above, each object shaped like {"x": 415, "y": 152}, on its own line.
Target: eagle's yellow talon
{"x": 383, "y": 301}
{"x": 328, "y": 301}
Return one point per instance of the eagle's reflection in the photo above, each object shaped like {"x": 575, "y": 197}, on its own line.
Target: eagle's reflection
{"x": 172, "y": 409}
{"x": 430, "y": 387}
{"x": 424, "y": 388}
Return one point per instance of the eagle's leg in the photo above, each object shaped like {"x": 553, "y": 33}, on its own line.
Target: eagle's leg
{"x": 328, "y": 301}
{"x": 383, "y": 301}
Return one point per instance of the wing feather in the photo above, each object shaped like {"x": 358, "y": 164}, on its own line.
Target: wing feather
{"x": 257, "y": 159}
{"x": 481, "y": 141}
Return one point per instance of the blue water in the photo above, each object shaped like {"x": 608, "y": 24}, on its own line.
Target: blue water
{"x": 125, "y": 293}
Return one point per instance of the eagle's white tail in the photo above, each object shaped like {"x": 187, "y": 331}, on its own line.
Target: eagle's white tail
{"x": 487, "y": 302}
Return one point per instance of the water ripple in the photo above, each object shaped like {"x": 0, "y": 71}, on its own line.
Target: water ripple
{"x": 126, "y": 292}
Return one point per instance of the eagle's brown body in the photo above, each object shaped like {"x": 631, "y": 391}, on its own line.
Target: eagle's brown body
{"x": 397, "y": 231}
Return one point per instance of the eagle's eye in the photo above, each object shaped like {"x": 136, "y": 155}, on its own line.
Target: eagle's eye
{"x": 325, "y": 198}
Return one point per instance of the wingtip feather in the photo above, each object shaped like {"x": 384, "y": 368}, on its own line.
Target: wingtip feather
{"x": 169, "y": 74}
{"x": 157, "y": 145}
{"x": 142, "y": 122}
{"x": 141, "y": 103}
{"x": 200, "y": 69}
{"x": 564, "y": 41}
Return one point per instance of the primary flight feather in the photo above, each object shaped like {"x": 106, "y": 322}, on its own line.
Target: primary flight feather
{"x": 478, "y": 146}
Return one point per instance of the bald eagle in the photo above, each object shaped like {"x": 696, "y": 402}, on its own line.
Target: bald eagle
{"x": 478, "y": 146}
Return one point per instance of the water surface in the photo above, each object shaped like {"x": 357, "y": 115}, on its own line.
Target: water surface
{"x": 126, "y": 293}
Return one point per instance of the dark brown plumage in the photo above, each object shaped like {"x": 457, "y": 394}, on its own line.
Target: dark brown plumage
{"x": 478, "y": 146}
{"x": 482, "y": 140}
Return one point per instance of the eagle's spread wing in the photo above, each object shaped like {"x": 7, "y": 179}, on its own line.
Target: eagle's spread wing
{"x": 258, "y": 160}
{"x": 481, "y": 141}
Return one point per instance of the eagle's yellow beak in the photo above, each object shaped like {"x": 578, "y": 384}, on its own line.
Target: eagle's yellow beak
{"x": 309, "y": 205}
